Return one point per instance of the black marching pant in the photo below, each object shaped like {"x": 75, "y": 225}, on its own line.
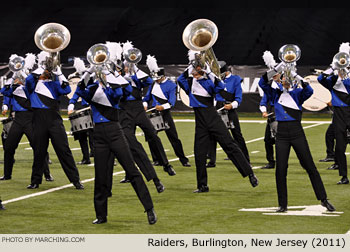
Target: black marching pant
{"x": 82, "y": 137}
{"x": 236, "y": 134}
{"x": 341, "y": 121}
{"x": 269, "y": 142}
{"x": 173, "y": 137}
{"x": 22, "y": 125}
{"x": 291, "y": 134}
{"x": 109, "y": 139}
{"x": 209, "y": 124}
{"x": 330, "y": 138}
{"x": 48, "y": 124}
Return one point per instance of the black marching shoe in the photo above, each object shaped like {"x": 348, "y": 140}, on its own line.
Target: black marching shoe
{"x": 325, "y": 203}
{"x": 169, "y": 169}
{"x": 1, "y": 206}
{"x": 281, "y": 209}
{"x": 253, "y": 180}
{"x": 49, "y": 178}
{"x": 333, "y": 167}
{"x": 125, "y": 180}
{"x": 5, "y": 178}
{"x": 268, "y": 166}
{"x": 151, "y": 216}
{"x": 186, "y": 164}
{"x": 327, "y": 159}
{"x": 33, "y": 186}
{"x": 91, "y": 154}
{"x": 202, "y": 189}
{"x": 344, "y": 180}
{"x": 100, "y": 220}
{"x": 210, "y": 165}
{"x": 78, "y": 185}
{"x": 159, "y": 186}
{"x": 84, "y": 161}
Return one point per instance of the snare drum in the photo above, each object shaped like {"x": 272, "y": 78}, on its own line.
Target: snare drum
{"x": 6, "y": 123}
{"x": 224, "y": 117}
{"x": 158, "y": 122}
{"x": 81, "y": 120}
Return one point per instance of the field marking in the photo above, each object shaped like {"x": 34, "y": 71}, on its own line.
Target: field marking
{"x": 92, "y": 179}
{"x": 348, "y": 233}
{"x": 256, "y": 151}
{"x": 312, "y": 210}
{"x": 51, "y": 190}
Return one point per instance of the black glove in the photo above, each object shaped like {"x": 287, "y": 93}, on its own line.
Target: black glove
{"x": 64, "y": 84}
{"x": 81, "y": 84}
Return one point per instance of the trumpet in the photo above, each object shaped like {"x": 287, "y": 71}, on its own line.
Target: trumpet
{"x": 98, "y": 55}
{"x": 52, "y": 38}
{"x": 132, "y": 56}
{"x": 201, "y": 35}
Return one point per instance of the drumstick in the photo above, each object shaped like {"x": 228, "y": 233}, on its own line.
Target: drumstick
{"x": 220, "y": 109}
{"x": 151, "y": 109}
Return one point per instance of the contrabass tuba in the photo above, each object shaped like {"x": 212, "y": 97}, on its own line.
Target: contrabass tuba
{"x": 52, "y": 38}
{"x": 98, "y": 55}
{"x": 201, "y": 35}
{"x": 289, "y": 54}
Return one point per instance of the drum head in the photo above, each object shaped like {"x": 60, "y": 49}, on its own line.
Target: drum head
{"x": 319, "y": 98}
{"x": 73, "y": 82}
{"x": 184, "y": 98}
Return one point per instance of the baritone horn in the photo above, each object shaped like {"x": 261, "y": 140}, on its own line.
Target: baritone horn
{"x": 201, "y": 35}
{"x": 98, "y": 55}
{"x": 52, "y": 38}
{"x": 132, "y": 56}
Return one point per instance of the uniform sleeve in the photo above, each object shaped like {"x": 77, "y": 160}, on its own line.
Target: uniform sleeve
{"x": 75, "y": 98}
{"x": 238, "y": 90}
{"x": 30, "y": 83}
{"x": 172, "y": 96}
{"x": 148, "y": 95}
{"x": 327, "y": 82}
{"x": 306, "y": 92}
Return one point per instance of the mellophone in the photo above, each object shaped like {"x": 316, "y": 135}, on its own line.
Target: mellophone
{"x": 157, "y": 120}
{"x": 81, "y": 120}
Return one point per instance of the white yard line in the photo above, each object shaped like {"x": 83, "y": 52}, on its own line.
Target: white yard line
{"x": 51, "y": 190}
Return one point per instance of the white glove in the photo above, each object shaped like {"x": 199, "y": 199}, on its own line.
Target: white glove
{"x": 296, "y": 76}
{"x": 328, "y": 71}
{"x": 70, "y": 107}
{"x": 262, "y": 109}
{"x": 279, "y": 67}
{"x": 234, "y": 104}
{"x": 58, "y": 71}
{"x": 145, "y": 104}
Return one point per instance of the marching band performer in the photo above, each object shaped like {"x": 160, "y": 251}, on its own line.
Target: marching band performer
{"x": 45, "y": 88}
{"x": 109, "y": 138}
{"x": 162, "y": 93}
{"x": 138, "y": 152}
{"x": 22, "y": 123}
{"x": 132, "y": 112}
{"x": 201, "y": 86}
{"x": 265, "y": 103}
{"x": 230, "y": 98}
{"x": 338, "y": 83}
{"x": 288, "y": 100}
{"x": 81, "y": 136}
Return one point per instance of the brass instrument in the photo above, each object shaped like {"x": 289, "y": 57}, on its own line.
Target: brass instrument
{"x": 341, "y": 60}
{"x": 132, "y": 56}
{"x": 98, "y": 55}
{"x": 16, "y": 65}
{"x": 200, "y": 35}
{"x": 52, "y": 38}
{"x": 289, "y": 54}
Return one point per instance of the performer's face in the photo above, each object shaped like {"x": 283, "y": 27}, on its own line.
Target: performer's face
{"x": 277, "y": 77}
{"x": 285, "y": 83}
